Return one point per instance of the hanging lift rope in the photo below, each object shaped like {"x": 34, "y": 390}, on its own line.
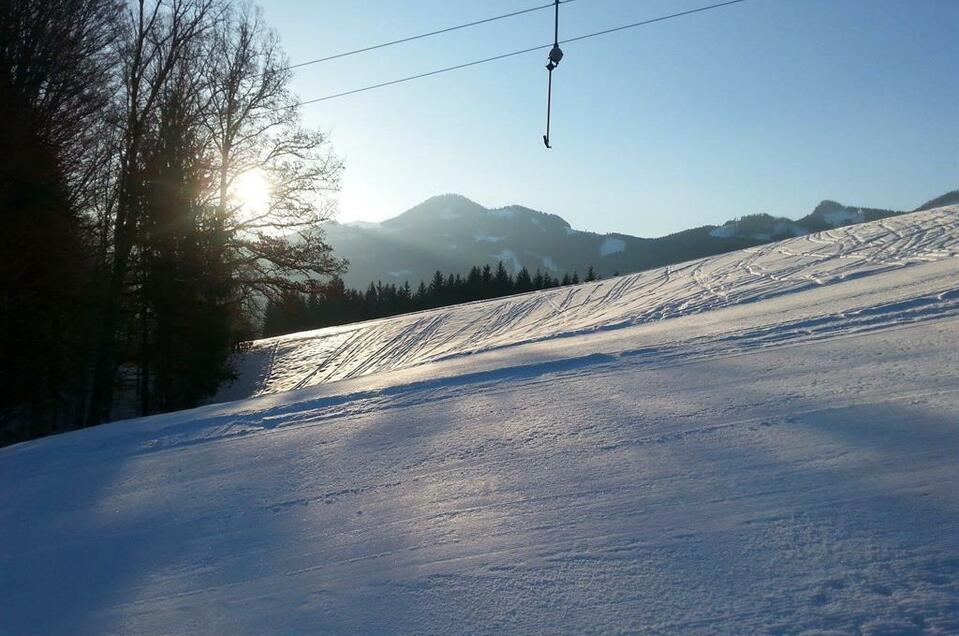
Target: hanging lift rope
{"x": 555, "y": 57}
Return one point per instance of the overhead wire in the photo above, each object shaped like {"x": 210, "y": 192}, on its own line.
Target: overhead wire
{"x": 502, "y": 56}
{"x": 411, "y": 38}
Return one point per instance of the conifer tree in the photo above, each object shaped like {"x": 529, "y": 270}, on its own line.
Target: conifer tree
{"x": 539, "y": 282}
{"x": 524, "y": 282}
{"x": 502, "y": 281}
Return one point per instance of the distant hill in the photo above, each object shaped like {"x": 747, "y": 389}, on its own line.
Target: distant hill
{"x": 451, "y": 233}
{"x": 949, "y": 198}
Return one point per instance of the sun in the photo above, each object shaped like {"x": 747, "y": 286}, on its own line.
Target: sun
{"x": 252, "y": 190}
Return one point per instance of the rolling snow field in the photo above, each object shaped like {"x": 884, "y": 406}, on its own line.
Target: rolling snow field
{"x": 765, "y": 441}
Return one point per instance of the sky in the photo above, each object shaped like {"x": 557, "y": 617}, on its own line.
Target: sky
{"x": 764, "y": 106}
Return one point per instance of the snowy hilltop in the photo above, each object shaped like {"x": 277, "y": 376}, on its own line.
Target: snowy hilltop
{"x": 758, "y": 442}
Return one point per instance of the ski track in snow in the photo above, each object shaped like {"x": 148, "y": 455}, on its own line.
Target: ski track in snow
{"x": 759, "y": 442}
{"x": 750, "y": 275}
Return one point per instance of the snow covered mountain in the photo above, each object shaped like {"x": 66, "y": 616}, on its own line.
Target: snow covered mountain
{"x": 759, "y": 442}
{"x": 452, "y": 233}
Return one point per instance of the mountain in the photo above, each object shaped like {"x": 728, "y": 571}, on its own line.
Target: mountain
{"x": 452, "y": 233}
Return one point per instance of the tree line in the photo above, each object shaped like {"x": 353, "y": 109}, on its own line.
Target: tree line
{"x": 337, "y": 305}
{"x": 131, "y": 267}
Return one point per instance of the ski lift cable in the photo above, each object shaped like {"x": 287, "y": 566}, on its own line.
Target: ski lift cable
{"x": 502, "y": 56}
{"x": 425, "y": 35}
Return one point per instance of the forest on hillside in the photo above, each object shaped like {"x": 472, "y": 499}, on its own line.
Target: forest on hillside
{"x": 132, "y": 265}
{"x": 337, "y": 305}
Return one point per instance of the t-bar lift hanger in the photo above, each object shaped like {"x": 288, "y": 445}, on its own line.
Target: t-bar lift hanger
{"x": 555, "y": 55}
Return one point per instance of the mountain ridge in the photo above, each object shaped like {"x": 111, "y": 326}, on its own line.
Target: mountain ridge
{"x": 451, "y": 233}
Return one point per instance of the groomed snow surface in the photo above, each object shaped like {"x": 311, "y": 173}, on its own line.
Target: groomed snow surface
{"x": 761, "y": 442}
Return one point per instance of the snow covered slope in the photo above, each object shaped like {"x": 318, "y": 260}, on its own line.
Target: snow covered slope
{"x": 309, "y": 358}
{"x": 778, "y": 456}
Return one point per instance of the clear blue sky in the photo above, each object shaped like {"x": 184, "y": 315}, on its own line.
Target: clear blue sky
{"x": 765, "y": 106}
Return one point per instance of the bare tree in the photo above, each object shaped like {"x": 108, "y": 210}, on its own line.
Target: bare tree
{"x": 127, "y": 126}
{"x": 157, "y": 35}
{"x": 56, "y": 62}
{"x": 254, "y": 125}
{"x": 56, "y": 58}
